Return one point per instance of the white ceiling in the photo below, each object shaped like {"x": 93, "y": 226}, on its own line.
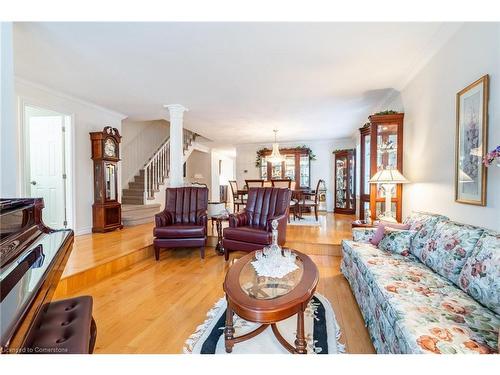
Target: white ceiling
{"x": 239, "y": 80}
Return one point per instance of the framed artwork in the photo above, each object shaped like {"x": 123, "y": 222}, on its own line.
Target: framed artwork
{"x": 471, "y": 143}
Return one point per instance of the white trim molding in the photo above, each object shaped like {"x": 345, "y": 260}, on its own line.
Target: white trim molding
{"x": 60, "y": 94}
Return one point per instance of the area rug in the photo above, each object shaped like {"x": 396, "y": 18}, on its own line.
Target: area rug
{"x": 321, "y": 330}
{"x": 308, "y": 221}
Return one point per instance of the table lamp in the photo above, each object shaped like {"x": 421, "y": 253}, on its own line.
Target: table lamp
{"x": 388, "y": 178}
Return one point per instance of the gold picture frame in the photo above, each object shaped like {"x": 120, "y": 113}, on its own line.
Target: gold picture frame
{"x": 471, "y": 141}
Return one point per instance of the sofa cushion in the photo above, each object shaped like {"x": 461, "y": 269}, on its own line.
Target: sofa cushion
{"x": 449, "y": 247}
{"x": 480, "y": 276}
{"x": 248, "y": 234}
{"x": 423, "y": 223}
{"x": 396, "y": 241}
{"x": 363, "y": 234}
{"x": 180, "y": 231}
{"x": 411, "y": 309}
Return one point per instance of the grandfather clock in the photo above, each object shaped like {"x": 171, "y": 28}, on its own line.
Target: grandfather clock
{"x": 106, "y": 210}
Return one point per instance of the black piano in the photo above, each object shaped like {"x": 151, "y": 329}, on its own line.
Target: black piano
{"x": 32, "y": 259}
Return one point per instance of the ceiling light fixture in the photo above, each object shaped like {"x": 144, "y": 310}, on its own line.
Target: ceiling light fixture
{"x": 275, "y": 156}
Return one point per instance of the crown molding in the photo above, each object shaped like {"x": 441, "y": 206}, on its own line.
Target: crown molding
{"x": 63, "y": 95}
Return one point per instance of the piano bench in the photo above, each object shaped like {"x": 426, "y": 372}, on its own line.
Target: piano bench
{"x": 63, "y": 327}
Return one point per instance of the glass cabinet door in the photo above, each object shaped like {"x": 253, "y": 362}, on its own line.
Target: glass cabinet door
{"x": 304, "y": 170}
{"x": 276, "y": 170}
{"x": 351, "y": 183}
{"x": 110, "y": 181}
{"x": 365, "y": 173}
{"x": 290, "y": 167}
{"x": 341, "y": 183}
{"x": 366, "y": 165}
{"x": 263, "y": 169}
{"x": 386, "y": 131}
{"x": 345, "y": 184}
{"x": 387, "y": 151}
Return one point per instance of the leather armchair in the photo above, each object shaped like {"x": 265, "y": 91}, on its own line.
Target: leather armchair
{"x": 251, "y": 229}
{"x": 183, "y": 222}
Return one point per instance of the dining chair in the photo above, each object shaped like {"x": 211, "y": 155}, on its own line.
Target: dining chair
{"x": 310, "y": 200}
{"x": 288, "y": 183}
{"x": 237, "y": 198}
{"x": 254, "y": 183}
{"x": 282, "y": 183}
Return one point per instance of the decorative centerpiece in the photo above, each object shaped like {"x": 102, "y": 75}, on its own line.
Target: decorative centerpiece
{"x": 272, "y": 261}
{"x": 492, "y": 156}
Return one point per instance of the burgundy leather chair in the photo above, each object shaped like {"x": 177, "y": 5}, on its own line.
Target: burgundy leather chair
{"x": 183, "y": 222}
{"x": 251, "y": 229}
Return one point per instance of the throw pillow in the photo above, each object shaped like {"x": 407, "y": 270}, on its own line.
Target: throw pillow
{"x": 397, "y": 241}
{"x": 447, "y": 250}
{"x": 424, "y": 224}
{"x": 480, "y": 277}
{"x": 379, "y": 233}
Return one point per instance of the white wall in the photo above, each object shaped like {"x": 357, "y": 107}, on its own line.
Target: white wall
{"x": 199, "y": 163}
{"x": 8, "y": 156}
{"x": 321, "y": 168}
{"x": 140, "y": 140}
{"x": 87, "y": 117}
{"x": 227, "y": 173}
{"x": 430, "y": 125}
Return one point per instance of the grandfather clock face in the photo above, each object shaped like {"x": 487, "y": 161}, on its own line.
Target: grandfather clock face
{"x": 110, "y": 148}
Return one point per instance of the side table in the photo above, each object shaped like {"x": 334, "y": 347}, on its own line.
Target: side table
{"x": 218, "y": 225}
{"x": 364, "y": 224}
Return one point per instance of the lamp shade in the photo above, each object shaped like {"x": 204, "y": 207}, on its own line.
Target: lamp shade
{"x": 388, "y": 176}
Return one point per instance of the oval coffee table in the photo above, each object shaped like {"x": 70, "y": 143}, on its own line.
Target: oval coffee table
{"x": 269, "y": 300}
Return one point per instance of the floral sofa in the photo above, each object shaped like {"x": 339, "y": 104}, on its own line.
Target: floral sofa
{"x": 442, "y": 295}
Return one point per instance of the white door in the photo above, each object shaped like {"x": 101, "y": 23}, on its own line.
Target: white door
{"x": 46, "y": 163}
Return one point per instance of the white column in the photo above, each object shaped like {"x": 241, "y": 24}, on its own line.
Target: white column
{"x": 9, "y": 157}
{"x": 176, "y": 112}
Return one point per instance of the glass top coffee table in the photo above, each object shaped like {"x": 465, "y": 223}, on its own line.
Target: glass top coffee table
{"x": 268, "y": 300}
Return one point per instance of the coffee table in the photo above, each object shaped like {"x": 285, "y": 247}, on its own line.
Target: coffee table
{"x": 269, "y": 300}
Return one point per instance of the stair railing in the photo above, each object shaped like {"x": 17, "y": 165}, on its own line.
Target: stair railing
{"x": 157, "y": 169}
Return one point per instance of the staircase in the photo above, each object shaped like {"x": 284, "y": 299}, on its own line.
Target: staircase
{"x": 135, "y": 214}
{"x": 154, "y": 173}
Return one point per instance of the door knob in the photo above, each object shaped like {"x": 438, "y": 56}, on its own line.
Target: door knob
{"x": 33, "y": 182}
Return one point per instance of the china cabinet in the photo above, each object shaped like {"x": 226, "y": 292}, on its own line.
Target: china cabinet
{"x": 106, "y": 210}
{"x": 296, "y": 167}
{"x": 344, "y": 189}
{"x": 381, "y": 147}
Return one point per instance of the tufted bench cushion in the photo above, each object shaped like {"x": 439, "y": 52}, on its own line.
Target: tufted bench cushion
{"x": 63, "y": 327}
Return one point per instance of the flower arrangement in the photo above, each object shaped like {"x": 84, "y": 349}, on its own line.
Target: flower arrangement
{"x": 491, "y": 156}
{"x": 262, "y": 153}
{"x": 387, "y": 112}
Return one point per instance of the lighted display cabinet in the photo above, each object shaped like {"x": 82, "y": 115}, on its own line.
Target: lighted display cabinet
{"x": 345, "y": 173}
{"x": 381, "y": 148}
{"x": 296, "y": 167}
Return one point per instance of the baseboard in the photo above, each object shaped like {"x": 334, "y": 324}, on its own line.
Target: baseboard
{"x": 84, "y": 230}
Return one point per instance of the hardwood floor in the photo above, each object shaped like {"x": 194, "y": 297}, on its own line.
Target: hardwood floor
{"x": 152, "y": 307}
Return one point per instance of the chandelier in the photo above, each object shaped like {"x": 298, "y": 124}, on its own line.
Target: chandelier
{"x": 275, "y": 156}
